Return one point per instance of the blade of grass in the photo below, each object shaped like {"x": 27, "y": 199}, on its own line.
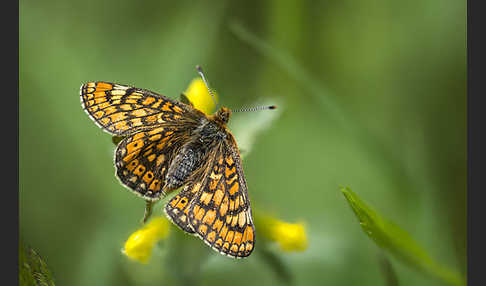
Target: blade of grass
{"x": 396, "y": 241}
{"x": 391, "y": 162}
{"x": 33, "y": 270}
{"x": 289, "y": 65}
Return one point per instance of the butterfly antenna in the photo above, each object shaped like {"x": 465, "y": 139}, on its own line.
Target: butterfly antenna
{"x": 256, "y": 108}
{"x": 199, "y": 70}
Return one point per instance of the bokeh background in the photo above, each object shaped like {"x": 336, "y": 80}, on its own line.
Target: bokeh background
{"x": 372, "y": 94}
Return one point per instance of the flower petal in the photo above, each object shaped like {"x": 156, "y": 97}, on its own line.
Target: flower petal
{"x": 140, "y": 244}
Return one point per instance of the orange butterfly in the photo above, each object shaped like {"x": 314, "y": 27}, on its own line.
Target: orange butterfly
{"x": 169, "y": 144}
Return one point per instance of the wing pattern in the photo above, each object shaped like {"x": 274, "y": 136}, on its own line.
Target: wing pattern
{"x": 122, "y": 110}
{"x": 216, "y": 208}
{"x": 142, "y": 159}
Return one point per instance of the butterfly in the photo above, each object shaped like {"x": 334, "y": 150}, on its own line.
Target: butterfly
{"x": 168, "y": 144}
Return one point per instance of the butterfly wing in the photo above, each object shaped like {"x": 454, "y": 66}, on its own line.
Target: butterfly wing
{"x": 217, "y": 207}
{"x": 143, "y": 158}
{"x": 122, "y": 110}
{"x": 177, "y": 209}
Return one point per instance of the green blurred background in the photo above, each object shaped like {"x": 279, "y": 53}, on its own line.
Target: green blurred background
{"x": 373, "y": 97}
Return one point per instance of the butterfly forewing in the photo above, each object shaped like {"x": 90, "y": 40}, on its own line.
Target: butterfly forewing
{"x": 121, "y": 110}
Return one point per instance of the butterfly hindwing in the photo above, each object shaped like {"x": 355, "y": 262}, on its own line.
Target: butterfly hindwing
{"x": 142, "y": 159}
{"x": 220, "y": 213}
{"x": 121, "y": 110}
{"x": 177, "y": 209}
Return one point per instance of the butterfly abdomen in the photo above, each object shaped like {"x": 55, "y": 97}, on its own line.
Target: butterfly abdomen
{"x": 184, "y": 164}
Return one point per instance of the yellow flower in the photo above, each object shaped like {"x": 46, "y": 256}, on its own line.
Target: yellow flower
{"x": 140, "y": 243}
{"x": 199, "y": 96}
{"x": 290, "y": 236}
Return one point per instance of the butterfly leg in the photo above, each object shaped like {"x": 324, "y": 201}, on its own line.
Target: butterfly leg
{"x": 116, "y": 139}
{"x": 148, "y": 211}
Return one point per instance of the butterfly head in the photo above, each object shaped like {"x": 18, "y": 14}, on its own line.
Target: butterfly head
{"x": 222, "y": 115}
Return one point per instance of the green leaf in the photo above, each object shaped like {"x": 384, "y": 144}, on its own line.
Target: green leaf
{"x": 33, "y": 270}
{"x": 396, "y": 241}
